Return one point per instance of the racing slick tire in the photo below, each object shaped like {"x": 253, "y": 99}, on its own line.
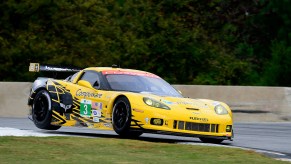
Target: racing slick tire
{"x": 121, "y": 118}
{"x": 41, "y": 111}
{"x": 210, "y": 140}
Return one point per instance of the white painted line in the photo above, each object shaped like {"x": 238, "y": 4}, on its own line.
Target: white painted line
{"x": 284, "y": 159}
{"x": 268, "y": 152}
{"x": 236, "y": 147}
{"x": 5, "y": 131}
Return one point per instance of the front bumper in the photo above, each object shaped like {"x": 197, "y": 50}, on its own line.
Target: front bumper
{"x": 207, "y": 125}
{"x": 219, "y": 133}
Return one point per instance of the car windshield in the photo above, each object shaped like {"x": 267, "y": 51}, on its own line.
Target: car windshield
{"x": 141, "y": 84}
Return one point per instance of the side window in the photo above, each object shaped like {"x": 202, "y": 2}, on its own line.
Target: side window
{"x": 92, "y": 78}
{"x": 71, "y": 79}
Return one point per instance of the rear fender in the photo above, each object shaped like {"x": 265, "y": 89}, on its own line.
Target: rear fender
{"x": 62, "y": 99}
{"x": 38, "y": 84}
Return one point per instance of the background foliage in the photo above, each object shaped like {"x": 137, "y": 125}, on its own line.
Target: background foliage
{"x": 213, "y": 42}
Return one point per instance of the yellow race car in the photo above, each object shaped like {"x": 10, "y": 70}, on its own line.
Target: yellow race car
{"x": 130, "y": 102}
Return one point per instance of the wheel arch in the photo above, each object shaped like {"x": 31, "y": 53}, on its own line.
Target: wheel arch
{"x": 34, "y": 94}
{"x": 43, "y": 84}
{"x": 38, "y": 85}
{"x": 111, "y": 104}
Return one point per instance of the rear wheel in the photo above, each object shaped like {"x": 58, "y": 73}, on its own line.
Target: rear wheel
{"x": 41, "y": 111}
{"x": 121, "y": 118}
{"x": 210, "y": 140}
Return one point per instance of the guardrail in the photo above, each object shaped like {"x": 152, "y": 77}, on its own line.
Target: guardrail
{"x": 255, "y": 104}
{"x": 14, "y": 96}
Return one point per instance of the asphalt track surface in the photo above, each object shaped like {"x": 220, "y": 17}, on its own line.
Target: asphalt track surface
{"x": 272, "y": 139}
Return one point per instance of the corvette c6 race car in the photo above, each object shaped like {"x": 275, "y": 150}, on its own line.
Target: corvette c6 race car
{"x": 130, "y": 102}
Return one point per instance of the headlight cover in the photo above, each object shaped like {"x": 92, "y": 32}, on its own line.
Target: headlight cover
{"x": 219, "y": 109}
{"x": 155, "y": 103}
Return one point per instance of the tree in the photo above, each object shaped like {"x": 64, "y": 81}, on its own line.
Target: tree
{"x": 188, "y": 42}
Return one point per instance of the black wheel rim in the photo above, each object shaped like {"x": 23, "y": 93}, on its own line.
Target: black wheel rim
{"x": 120, "y": 115}
{"x": 40, "y": 108}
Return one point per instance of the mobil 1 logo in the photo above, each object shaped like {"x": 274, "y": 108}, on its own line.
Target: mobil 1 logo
{"x": 85, "y": 108}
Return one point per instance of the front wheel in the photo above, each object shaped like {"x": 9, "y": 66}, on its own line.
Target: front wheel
{"x": 121, "y": 118}
{"x": 41, "y": 111}
{"x": 210, "y": 140}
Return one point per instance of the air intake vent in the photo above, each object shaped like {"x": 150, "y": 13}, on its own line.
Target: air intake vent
{"x": 200, "y": 127}
{"x": 192, "y": 108}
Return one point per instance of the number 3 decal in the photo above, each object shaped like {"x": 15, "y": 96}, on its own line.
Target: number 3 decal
{"x": 85, "y": 108}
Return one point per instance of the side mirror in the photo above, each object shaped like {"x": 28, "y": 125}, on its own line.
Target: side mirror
{"x": 84, "y": 83}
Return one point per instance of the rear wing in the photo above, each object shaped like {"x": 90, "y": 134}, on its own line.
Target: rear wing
{"x": 36, "y": 67}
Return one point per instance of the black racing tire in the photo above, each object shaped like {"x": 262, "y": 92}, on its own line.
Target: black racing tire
{"x": 210, "y": 140}
{"x": 41, "y": 111}
{"x": 121, "y": 118}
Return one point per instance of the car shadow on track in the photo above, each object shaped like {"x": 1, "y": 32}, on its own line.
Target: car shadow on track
{"x": 145, "y": 137}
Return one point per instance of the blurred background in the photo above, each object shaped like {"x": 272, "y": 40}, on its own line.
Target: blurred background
{"x": 209, "y": 42}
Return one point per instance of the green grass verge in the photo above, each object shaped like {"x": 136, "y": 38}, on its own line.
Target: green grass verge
{"x": 122, "y": 151}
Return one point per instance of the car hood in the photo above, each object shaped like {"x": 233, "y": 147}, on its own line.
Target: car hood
{"x": 186, "y": 103}
{"x": 185, "y": 108}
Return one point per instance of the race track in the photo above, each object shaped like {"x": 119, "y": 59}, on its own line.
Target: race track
{"x": 272, "y": 139}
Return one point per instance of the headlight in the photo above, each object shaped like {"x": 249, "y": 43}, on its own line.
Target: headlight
{"x": 155, "y": 103}
{"x": 219, "y": 109}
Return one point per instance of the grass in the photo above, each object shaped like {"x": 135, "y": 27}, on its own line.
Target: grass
{"x": 120, "y": 151}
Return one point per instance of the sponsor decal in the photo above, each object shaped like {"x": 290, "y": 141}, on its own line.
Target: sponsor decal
{"x": 96, "y": 113}
{"x": 96, "y": 119}
{"x": 199, "y": 119}
{"x": 183, "y": 103}
{"x": 97, "y": 105}
{"x": 167, "y": 102}
{"x": 87, "y": 94}
{"x": 146, "y": 120}
{"x": 106, "y": 124}
{"x": 118, "y": 72}
{"x": 85, "y": 108}
{"x": 192, "y": 103}
{"x": 48, "y": 68}
{"x": 138, "y": 110}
